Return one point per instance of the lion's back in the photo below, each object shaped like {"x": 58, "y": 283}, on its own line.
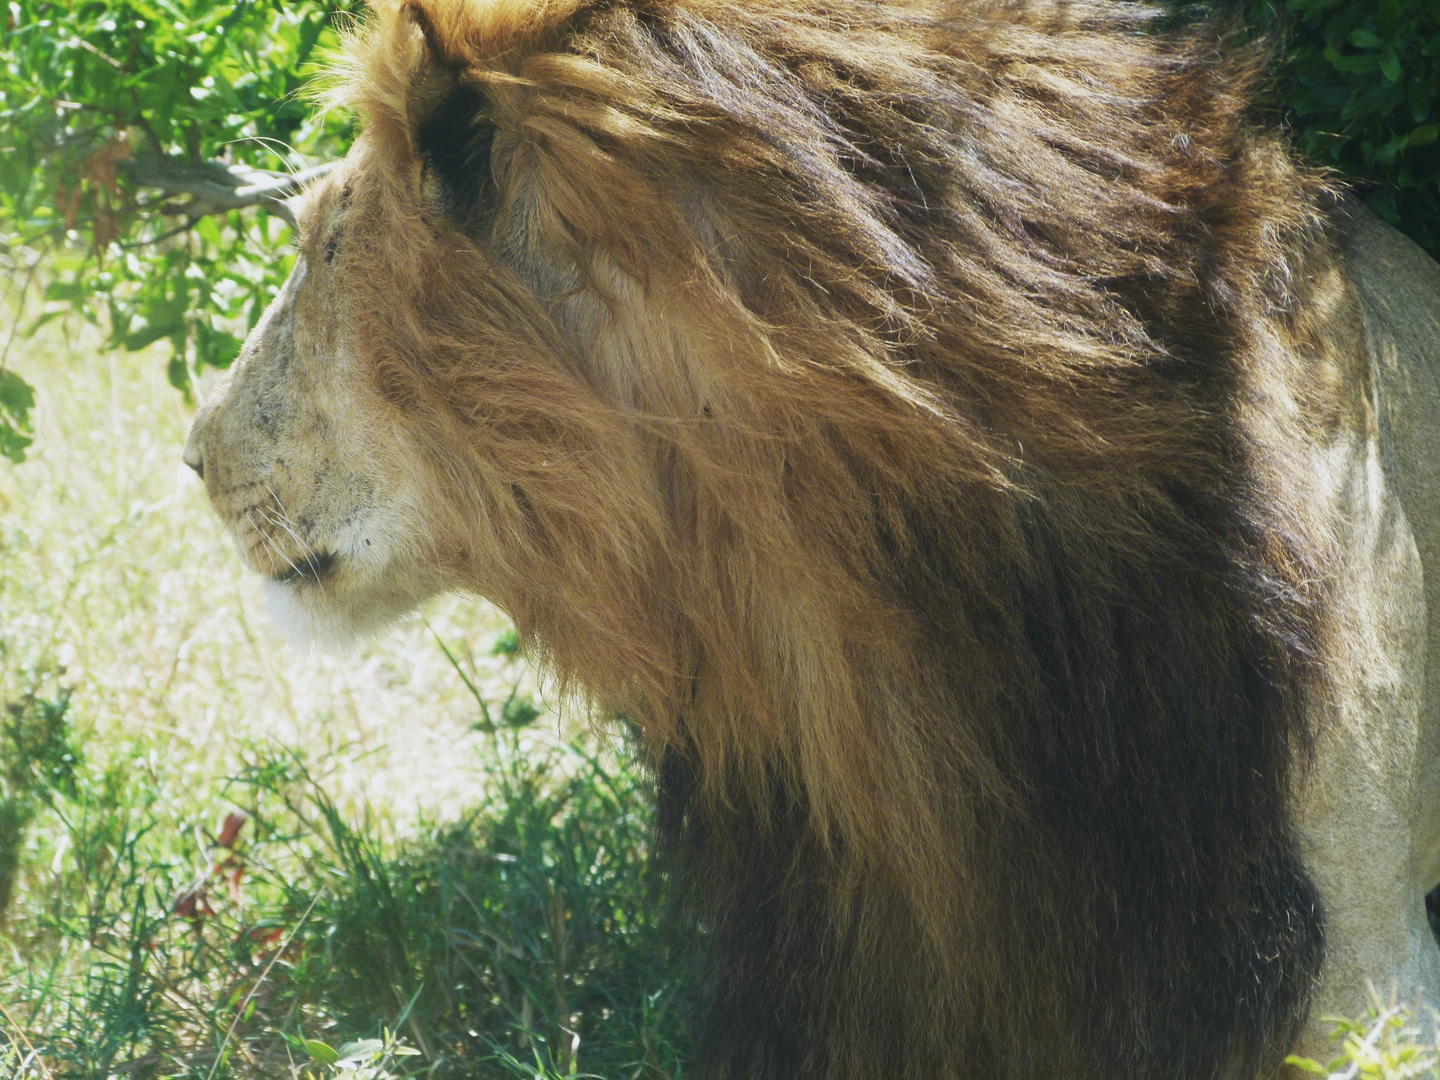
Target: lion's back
{"x": 1398, "y": 286}
{"x": 1399, "y": 291}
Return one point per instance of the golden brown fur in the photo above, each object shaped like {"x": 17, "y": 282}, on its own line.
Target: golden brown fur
{"x": 903, "y": 415}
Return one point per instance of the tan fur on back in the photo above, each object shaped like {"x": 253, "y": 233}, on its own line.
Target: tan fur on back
{"x": 905, "y": 416}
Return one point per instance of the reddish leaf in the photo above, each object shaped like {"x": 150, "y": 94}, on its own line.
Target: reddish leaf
{"x": 194, "y": 905}
{"x": 230, "y": 830}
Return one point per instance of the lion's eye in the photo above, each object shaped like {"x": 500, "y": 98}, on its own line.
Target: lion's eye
{"x": 332, "y": 246}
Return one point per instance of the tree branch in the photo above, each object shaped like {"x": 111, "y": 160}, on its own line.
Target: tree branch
{"x": 214, "y": 188}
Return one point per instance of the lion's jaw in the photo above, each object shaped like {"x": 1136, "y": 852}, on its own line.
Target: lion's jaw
{"x": 312, "y": 484}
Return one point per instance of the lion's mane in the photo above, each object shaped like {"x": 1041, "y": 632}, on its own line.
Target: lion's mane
{"x": 897, "y": 412}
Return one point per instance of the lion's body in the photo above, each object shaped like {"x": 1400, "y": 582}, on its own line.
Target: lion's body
{"x": 1370, "y": 810}
{"x": 948, "y": 435}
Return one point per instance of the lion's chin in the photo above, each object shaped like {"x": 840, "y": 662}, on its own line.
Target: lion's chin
{"x": 335, "y": 616}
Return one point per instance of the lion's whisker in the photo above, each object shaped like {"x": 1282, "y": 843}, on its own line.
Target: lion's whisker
{"x": 280, "y": 516}
{"x": 278, "y": 503}
{"x": 270, "y": 543}
{"x": 285, "y": 523}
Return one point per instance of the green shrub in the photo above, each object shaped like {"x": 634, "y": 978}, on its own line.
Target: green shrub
{"x": 1387, "y": 1043}
{"x": 524, "y": 940}
{"x": 38, "y": 758}
{"x": 1358, "y": 82}
{"x": 130, "y": 131}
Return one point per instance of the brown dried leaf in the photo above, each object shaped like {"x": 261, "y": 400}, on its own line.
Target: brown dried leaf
{"x": 230, "y": 829}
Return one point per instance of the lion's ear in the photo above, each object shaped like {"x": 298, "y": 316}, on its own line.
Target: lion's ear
{"x": 450, "y": 129}
{"x": 454, "y": 140}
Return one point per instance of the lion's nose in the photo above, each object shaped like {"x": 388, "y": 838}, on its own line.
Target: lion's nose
{"x": 191, "y": 456}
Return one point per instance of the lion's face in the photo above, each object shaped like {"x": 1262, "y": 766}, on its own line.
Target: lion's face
{"x": 408, "y": 419}
{"x": 301, "y": 458}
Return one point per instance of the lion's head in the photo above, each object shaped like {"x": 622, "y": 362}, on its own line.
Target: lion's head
{"x": 605, "y": 318}
{"x": 558, "y": 338}
{"x": 408, "y": 417}
{"x": 851, "y": 395}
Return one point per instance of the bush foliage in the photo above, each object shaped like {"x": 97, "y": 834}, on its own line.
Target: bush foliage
{"x": 133, "y": 133}
{"x": 1358, "y": 80}
{"x": 524, "y": 940}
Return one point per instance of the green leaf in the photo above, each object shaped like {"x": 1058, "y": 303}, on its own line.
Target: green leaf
{"x": 148, "y": 335}
{"x": 321, "y": 1052}
{"x": 12, "y": 443}
{"x": 1377, "y": 98}
{"x": 507, "y": 644}
{"x": 1355, "y": 65}
{"x": 72, "y": 292}
{"x": 1382, "y": 201}
{"x": 359, "y": 1052}
{"x": 1363, "y": 39}
{"x": 17, "y": 398}
{"x": 1390, "y": 66}
{"x": 209, "y": 231}
{"x": 215, "y": 348}
{"x": 1308, "y": 1065}
{"x": 179, "y": 374}
{"x": 1386, "y": 154}
{"x": 518, "y": 711}
{"x": 1424, "y": 135}
{"x": 1418, "y": 94}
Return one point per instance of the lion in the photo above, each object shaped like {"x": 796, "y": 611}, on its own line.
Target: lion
{"x": 986, "y": 473}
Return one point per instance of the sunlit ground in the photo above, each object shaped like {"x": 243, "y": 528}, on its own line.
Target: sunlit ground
{"x": 117, "y": 582}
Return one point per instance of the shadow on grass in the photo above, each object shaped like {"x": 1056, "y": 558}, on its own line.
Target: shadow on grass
{"x": 527, "y": 936}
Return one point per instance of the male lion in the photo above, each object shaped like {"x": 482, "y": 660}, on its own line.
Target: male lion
{"x": 989, "y": 474}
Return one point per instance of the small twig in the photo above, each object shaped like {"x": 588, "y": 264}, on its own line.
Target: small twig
{"x": 190, "y": 223}
{"x": 214, "y": 187}
{"x": 240, "y": 1011}
{"x": 116, "y": 64}
{"x": 19, "y": 312}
